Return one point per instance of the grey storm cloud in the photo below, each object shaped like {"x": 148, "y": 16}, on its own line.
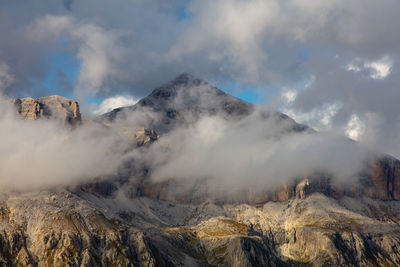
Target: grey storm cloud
{"x": 346, "y": 51}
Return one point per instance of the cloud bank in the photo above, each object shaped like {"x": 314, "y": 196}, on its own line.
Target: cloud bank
{"x": 46, "y": 154}
{"x": 252, "y": 154}
{"x": 333, "y": 65}
{"x": 261, "y": 151}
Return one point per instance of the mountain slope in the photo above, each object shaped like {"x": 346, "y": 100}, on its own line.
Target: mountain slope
{"x": 127, "y": 219}
{"x": 186, "y": 99}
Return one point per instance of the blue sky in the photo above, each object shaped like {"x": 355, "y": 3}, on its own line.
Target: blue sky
{"x": 183, "y": 12}
{"x": 61, "y": 64}
{"x": 250, "y": 94}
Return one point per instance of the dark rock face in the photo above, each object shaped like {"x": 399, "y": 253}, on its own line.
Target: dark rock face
{"x": 384, "y": 182}
{"x": 381, "y": 182}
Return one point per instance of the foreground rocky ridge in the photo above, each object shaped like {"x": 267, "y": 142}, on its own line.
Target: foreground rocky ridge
{"x": 114, "y": 222}
{"x": 64, "y": 229}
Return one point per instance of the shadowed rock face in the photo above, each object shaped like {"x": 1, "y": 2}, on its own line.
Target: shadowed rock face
{"x": 384, "y": 182}
{"x": 380, "y": 181}
{"x": 54, "y": 106}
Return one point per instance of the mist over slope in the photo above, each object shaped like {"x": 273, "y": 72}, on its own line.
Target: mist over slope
{"x": 205, "y": 134}
{"x": 215, "y": 145}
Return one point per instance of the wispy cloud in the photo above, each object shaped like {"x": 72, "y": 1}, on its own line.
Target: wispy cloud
{"x": 111, "y": 103}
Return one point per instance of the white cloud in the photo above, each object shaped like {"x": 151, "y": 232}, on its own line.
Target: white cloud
{"x": 111, "y": 103}
{"x": 320, "y": 118}
{"x": 288, "y": 96}
{"x": 264, "y": 157}
{"x": 41, "y": 153}
{"x": 355, "y": 127}
{"x": 380, "y": 69}
{"x": 377, "y": 70}
{"x": 355, "y": 65}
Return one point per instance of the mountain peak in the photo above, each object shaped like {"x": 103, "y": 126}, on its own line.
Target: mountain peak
{"x": 185, "y": 78}
{"x": 187, "y": 92}
{"x": 180, "y": 82}
{"x": 183, "y": 98}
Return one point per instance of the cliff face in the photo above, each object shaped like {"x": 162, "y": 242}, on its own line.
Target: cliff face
{"x": 384, "y": 182}
{"x": 54, "y": 106}
{"x": 61, "y": 230}
{"x": 381, "y": 180}
{"x": 64, "y": 229}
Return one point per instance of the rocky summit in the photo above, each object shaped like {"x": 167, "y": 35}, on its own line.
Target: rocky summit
{"x": 49, "y": 107}
{"x": 120, "y": 221}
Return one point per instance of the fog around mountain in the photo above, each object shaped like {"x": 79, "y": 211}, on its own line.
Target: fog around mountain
{"x": 256, "y": 149}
